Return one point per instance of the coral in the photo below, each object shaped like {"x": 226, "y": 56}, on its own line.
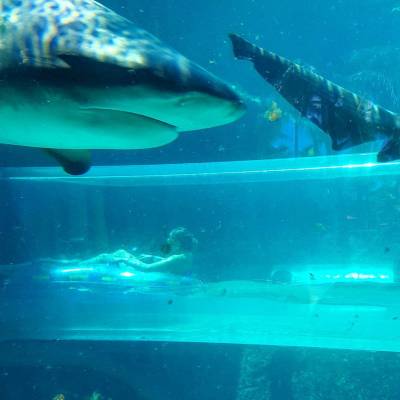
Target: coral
{"x": 95, "y": 396}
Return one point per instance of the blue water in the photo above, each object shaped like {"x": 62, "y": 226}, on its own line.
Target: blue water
{"x": 226, "y": 330}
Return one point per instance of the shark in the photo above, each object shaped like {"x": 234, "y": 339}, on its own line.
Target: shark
{"x": 348, "y": 119}
{"x": 77, "y": 76}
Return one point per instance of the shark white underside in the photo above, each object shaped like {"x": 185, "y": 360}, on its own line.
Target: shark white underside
{"x": 123, "y": 118}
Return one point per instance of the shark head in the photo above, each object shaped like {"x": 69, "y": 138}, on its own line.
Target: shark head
{"x": 74, "y": 75}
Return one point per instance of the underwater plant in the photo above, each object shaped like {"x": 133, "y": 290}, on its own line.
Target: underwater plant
{"x": 95, "y": 396}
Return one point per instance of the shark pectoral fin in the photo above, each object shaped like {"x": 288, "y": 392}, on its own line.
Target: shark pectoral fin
{"x": 74, "y": 162}
{"x": 115, "y": 129}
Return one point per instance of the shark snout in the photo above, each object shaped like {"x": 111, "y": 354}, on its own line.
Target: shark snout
{"x": 193, "y": 97}
{"x": 203, "y": 81}
{"x": 213, "y": 96}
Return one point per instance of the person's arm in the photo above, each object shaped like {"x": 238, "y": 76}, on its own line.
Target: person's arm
{"x": 149, "y": 258}
{"x": 173, "y": 264}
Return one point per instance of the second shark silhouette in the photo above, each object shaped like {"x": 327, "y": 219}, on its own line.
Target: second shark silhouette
{"x": 348, "y": 119}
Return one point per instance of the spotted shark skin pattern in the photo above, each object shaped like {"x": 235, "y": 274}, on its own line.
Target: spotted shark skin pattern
{"x": 62, "y": 27}
{"x": 37, "y": 32}
{"x": 349, "y": 119}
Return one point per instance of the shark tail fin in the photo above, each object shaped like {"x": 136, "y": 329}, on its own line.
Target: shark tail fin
{"x": 74, "y": 162}
{"x": 242, "y": 49}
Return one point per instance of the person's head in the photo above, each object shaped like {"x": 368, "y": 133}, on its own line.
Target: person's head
{"x": 180, "y": 240}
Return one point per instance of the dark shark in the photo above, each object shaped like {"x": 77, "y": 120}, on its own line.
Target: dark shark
{"x": 349, "y": 119}
{"x": 76, "y": 76}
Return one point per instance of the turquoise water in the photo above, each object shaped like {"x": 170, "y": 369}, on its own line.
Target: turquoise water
{"x": 250, "y": 217}
{"x": 336, "y": 299}
{"x": 292, "y": 289}
{"x": 294, "y": 169}
{"x": 343, "y": 297}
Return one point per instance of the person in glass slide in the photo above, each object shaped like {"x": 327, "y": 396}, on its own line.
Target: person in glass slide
{"x": 178, "y": 249}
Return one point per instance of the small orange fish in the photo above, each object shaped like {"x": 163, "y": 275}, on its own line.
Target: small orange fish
{"x": 274, "y": 113}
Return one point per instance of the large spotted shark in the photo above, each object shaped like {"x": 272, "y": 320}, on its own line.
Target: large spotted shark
{"x": 349, "y": 119}
{"x": 76, "y": 76}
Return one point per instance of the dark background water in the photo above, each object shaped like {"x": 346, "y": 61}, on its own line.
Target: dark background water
{"x": 337, "y": 38}
{"x": 193, "y": 371}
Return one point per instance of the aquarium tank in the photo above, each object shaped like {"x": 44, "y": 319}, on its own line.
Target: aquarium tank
{"x": 199, "y": 200}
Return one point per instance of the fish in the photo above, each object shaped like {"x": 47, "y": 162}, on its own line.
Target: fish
{"x": 77, "y": 76}
{"x": 273, "y": 113}
{"x": 349, "y": 120}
